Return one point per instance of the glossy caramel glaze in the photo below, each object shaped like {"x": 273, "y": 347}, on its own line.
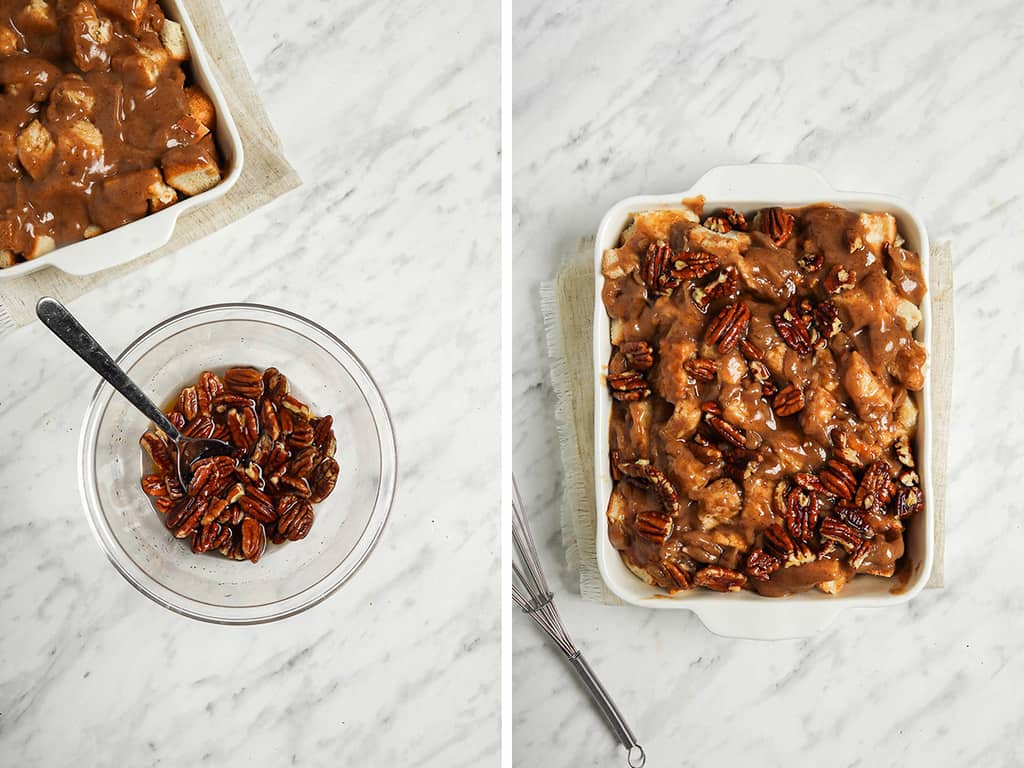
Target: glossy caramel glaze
{"x": 92, "y": 101}
{"x": 857, "y": 388}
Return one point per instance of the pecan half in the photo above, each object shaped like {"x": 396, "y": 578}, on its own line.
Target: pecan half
{"x": 694, "y": 266}
{"x": 792, "y": 330}
{"x": 777, "y": 224}
{"x": 638, "y": 355}
{"x": 323, "y": 435}
{"x": 295, "y": 518}
{"x": 903, "y": 452}
{"x": 808, "y": 482}
{"x": 839, "y": 279}
{"x": 736, "y": 219}
{"x": 207, "y": 389}
{"x": 729, "y": 432}
{"x": 838, "y": 479}
{"x": 210, "y": 537}
{"x": 644, "y": 473}
{"x": 323, "y": 479}
{"x": 246, "y": 382}
{"x": 909, "y": 501}
{"x": 759, "y": 371}
{"x": 154, "y": 486}
{"x": 677, "y": 578}
{"x": 653, "y": 526}
{"x": 188, "y": 403}
{"x": 725, "y": 286}
{"x": 628, "y": 386}
{"x": 789, "y": 551}
{"x": 658, "y": 270}
{"x": 717, "y": 223}
{"x": 826, "y": 319}
{"x": 860, "y": 553}
{"x": 702, "y": 448}
{"x": 275, "y": 384}
{"x": 297, "y": 485}
{"x": 720, "y": 579}
{"x": 854, "y": 518}
{"x": 842, "y": 533}
{"x": 299, "y": 409}
{"x": 159, "y": 452}
{"x": 728, "y": 327}
{"x": 201, "y": 426}
{"x": 750, "y": 350}
{"x": 258, "y": 505}
{"x": 301, "y": 436}
{"x": 244, "y": 427}
{"x": 802, "y": 513}
{"x": 761, "y": 565}
{"x": 185, "y": 522}
{"x": 700, "y": 547}
{"x": 788, "y": 401}
{"x": 303, "y": 461}
{"x": 268, "y": 419}
{"x": 227, "y": 400}
{"x": 875, "y": 489}
{"x": 210, "y": 475}
{"x": 254, "y": 539}
{"x": 701, "y": 368}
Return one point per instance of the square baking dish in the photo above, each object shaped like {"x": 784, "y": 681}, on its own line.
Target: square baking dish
{"x": 746, "y": 614}
{"x": 130, "y": 241}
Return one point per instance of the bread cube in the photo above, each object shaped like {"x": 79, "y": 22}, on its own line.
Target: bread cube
{"x": 7, "y": 258}
{"x": 128, "y": 197}
{"x": 91, "y": 231}
{"x": 28, "y": 77}
{"x": 871, "y": 231}
{"x": 71, "y": 97}
{"x": 9, "y": 41}
{"x": 143, "y": 67}
{"x": 173, "y": 38}
{"x": 200, "y": 106}
{"x": 192, "y": 169}
{"x": 36, "y": 149}
{"x": 87, "y": 37}
{"x": 870, "y": 396}
{"x": 190, "y": 130}
{"x": 131, "y": 11}
{"x": 79, "y": 146}
{"x": 37, "y": 17}
{"x": 10, "y": 168}
{"x": 41, "y": 245}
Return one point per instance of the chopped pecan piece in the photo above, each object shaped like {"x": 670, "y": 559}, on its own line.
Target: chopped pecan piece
{"x": 628, "y": 386}
{"x": 839, "y": 278}
{"x": 701, "y": 368}
{"x": 908, "y": 477}
{"x": 644, "y": 473}
{"x": 717, "y": 223}
{"x": 720, "y": 579}
{"x": 653, "y": 526}
{"x": 725, "y": 286}
{"x": 694, "y": 266}
{"x": 761, "y": 565}
{"x": 154, "y": 486}
{"x": 657, "y": 272}
{"x": 728, "y": 327}
{"x": 788, "y": 401}
{"x": 759, "y": 371}
{"x": 810, "y": 261}
{"x": 777, "y": 224}
{"x": 769, "y": 390}
{"x": 802, "y": 513}
{"x": 826, "y": 319}
{"x": 736, "y": 219}
{"x": 843, "y": 534}
{"x": 808, "y": 482}
{"x": 909, "y": 501}
{"x": 838, "y": 479}
{"x": 638, "y": 355}
{"x": 903, "y": 452}
{"x": 729, "y": 432}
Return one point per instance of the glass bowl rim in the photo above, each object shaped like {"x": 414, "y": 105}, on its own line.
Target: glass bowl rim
{"x": 309, "y": 596}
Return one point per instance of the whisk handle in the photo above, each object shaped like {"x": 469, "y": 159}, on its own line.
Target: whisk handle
{"x": 636, "y": 755}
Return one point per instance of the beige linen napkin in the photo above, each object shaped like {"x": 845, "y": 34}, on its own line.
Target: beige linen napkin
{"x": 567, "y": 305}
{"x": 265, "y": 176}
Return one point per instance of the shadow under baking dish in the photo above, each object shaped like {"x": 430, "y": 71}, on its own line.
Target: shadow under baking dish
{"x": 292, "y": 577}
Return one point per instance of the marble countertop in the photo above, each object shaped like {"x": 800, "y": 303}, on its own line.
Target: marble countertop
{"x": 391, "y": 117}
{"x": 917, "y": 100}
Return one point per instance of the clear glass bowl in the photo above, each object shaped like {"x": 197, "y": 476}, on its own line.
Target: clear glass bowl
{"x": 289, "y": 578}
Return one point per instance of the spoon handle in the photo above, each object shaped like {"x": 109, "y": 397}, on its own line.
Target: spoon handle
{"x": 58, "y": 319}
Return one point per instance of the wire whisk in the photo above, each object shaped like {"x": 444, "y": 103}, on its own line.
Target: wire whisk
{"x": 531, "y": 593}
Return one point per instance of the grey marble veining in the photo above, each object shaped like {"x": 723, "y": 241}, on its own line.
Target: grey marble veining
{"x": 920, "y": 100}
{"x": 390, "y": 114}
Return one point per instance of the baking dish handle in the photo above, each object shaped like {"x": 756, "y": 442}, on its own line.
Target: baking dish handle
{"x": 108, "y": 250}
{"x": 770, "y": 621}
{"x": 762, "y": 182}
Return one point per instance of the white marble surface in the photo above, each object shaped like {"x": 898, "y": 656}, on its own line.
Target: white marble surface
{"x": 921, "y": 100}
{"x": 391, "y": 117}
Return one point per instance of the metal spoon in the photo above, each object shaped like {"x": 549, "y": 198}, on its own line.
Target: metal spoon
{"x": 58, "y": 319}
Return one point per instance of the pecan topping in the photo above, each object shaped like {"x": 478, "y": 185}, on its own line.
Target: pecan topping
{"x": 903, "y": 452}
{"x": 875, "y": 489}
{"x": 628, "y": 386}
{"x": 854, "y": 518}
{"x": 258, "y": 505}
{"x": 791, "y": 328}
{"x": 701, "y": 368}
{"x": 802, "y": 513}
{"x": 735, "y": 219}
{"x": 777, "y": 224}
{"x": 677, "y": 579}
{"x": 694, "y": 266}
{"x": 725, "y": 286}
{"x": 860, "y": 553}
{"x": 750, "y": 350}
{"x": 701, "y": 547}
{"x": 788, "y": 550}
{"x": 658, "y": 273}
{"x": 245, "y": 382}
{"x": 808, "y": 482}
{"x": 826, "y": 319}
{"x": 717, "y": 223}
{"x": 909, "y": 501}
{"x": 761, "y": 565}
{"x": 759, "y": 371}
{"x": 729, "y": 432}
{"x": 644, "y": 473}
{"x": 638, "y": 355}
{"x": 843, "y": 534}
{"x": 728, "y": 327}
{"x": 838, "y": 479}
{"x": 720, "y": 579}
{"x": 810, "y": 262}
{"x": 788, "y": 401}
{"x": 323, "y": 479}
{"x": 839, "y": 278}
{"x": 654, "y": 526}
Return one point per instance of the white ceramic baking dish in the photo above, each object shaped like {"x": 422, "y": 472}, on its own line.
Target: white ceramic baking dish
{"x": 149, "y": 233}
{"x": 746, "y": 614}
